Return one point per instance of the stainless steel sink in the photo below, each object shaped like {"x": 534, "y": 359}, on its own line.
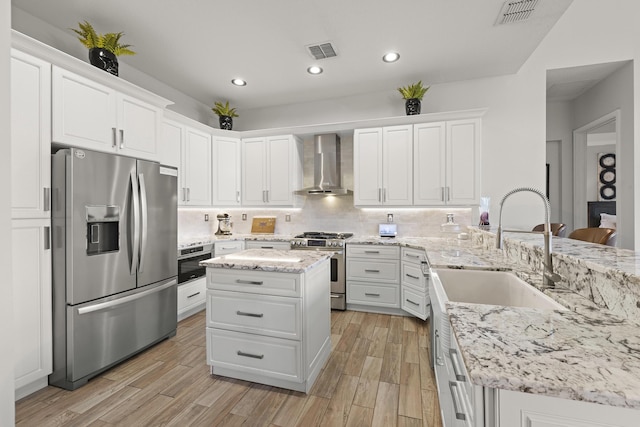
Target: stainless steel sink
{"x": 493, "y": 287}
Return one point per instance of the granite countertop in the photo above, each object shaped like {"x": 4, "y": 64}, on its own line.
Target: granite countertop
{"x": 208, "y": 239}
{"x": 289, "y": 261}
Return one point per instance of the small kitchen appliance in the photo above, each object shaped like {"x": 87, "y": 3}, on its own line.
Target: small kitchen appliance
{"x": 328, "y": 241}
{"x": 224, "y": 225}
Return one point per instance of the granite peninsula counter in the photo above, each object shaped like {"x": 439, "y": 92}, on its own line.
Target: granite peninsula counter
{"x": 269, "y": 316}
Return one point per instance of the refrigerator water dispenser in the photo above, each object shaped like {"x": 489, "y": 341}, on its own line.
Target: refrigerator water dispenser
{"x": 103, "y": 229}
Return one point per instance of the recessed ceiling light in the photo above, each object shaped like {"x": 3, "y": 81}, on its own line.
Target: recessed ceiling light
{"x": 391, "y": 57}
{"x": 314, "y": 69}
{"x": 239, "y": 82}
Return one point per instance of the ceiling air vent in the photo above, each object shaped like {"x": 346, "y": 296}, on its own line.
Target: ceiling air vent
{"x": 322, "y": 50}
{"x": 515, "y": 11}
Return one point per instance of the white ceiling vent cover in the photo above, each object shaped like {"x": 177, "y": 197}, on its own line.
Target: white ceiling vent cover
{"x": 515, "y": 11}
{"x": 322, "y": 50}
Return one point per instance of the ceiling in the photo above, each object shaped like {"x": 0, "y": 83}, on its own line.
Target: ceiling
{"x": 566, "y": 84}
{"x": 198, "y": 46}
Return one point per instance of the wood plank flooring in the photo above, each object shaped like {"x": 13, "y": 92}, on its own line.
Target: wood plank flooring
{"x": 378, "y": 374}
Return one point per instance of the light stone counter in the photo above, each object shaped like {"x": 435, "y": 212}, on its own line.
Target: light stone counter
{"x": 207, "y": 239}
{"x": 270, "y": 260}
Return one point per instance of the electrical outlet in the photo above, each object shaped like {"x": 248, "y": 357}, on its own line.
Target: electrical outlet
{"x": 389, "y": 217}
{"x": 287, "y": 218}
{"x": 244, "y": 217}
{"x": 523, "y": 256}
{"x": 206, "y": 217}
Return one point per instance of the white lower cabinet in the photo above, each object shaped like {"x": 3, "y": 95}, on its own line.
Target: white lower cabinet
{"x": 273, "y": 328}
{"x": 191, "y": 297}
{"x": 31, "y": 279}
{"x": 413, "y": 283}
{"x": 227, "y": 247}
{"x": 267, "y": 244}
{"x": 373, "y": 273}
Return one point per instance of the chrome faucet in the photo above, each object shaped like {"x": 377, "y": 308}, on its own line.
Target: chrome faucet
{"x": 549, "y": 278}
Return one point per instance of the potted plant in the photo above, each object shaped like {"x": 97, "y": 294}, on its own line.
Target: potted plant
{"x": 225, "y": 114}
{"x": 413, "y": 95}
{"x": 104, "y": 49}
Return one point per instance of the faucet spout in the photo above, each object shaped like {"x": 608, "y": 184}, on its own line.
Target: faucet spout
{"x": 548, "y": 276}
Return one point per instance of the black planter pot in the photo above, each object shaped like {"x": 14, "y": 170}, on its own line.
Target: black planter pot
{"x": 104, "y": 59}
{"x": 226, "y": 122}
{"x": 412, "y": 106}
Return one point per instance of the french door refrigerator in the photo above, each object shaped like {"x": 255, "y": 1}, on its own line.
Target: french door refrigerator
{"x": 114, "y": 222}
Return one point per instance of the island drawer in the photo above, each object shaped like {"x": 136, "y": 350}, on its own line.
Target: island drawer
{"x": 416, "y": 303}
{"x": 254, "y": 354}
{"x": 412, "y": 275}
{"x": 258, "y": 314}
{"x": 254, "y": 281}
{"x": 373, "y": 271}
{"x": 377, "y": 295}
{"x": 373, "y": 251}
{"x": 415, "y": 256}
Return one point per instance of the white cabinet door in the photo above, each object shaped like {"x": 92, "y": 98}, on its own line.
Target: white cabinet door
{"x": 367, "y": 167}
{"x": 429, "y": 155}
{"x": 30, "y": 136}
{"x": 254, "y": 172}
{"x": 84, "y": 112}
{"x": 226, "y": 171}
{"x": 196, "y": 190}
{"x": 138, "y": 128}
{"x": 31, "y": 279}
{"x": 169, "y": 145}
{"x": 463, "y": 162}
{"x": 397, "y": 165}
{"x": 281, "y": 170}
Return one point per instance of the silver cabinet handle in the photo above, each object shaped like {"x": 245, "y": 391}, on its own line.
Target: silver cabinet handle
{"x": 253, "y": 356}
{"x": 237, "y": 196}
{"x": 384, "y": 194}
{"x": 448, "y": 194}
{"x": 188, "y": 194}
{"x": 412, "y": 256}
{"x": 266, "y": 247}
{"x": 439, "y": 361}
{"x": 249, "y": 282}
{"x": 371, "y": 252}
{"x": 114, "y": 139}
{"x": 244, "y": 313}
{"x": 47, "y": 199}
{"x": 380, "y": 194}
{"x": 457, "y": 406}
{"x": 455, "y": 361}
{"x": 264, "y": 200}
{"x": 442, "y": 194}
{"x": 371, "y": 294}
{"x": 121, "y": 139}
{"x": 267, "y": 196}
{"x": 193, "y": 295}
{"x": 412, "y": 276}
{"x": 371, "y": 271}
{"x": 47, "y": 238}
{"x": 412, "y": 302}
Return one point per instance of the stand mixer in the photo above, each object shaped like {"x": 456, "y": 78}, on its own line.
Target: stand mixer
{"x": 224, "y": 224}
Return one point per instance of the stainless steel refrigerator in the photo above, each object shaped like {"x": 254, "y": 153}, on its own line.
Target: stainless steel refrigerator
{"x": 114, "y": 222}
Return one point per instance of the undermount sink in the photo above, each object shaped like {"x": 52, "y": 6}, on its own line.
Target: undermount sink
{"x": 494, "y": 288}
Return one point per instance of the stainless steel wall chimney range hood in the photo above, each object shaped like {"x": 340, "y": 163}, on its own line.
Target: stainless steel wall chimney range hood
{"x": 327, "y": 167}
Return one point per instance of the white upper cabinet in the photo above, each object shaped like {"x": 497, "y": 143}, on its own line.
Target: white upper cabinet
{"x": 196, "y": 167}
{"x": 170, "y": 144}
{"x": 271, "y": 170}
{"x": 30, "y": 136}
{"x": 447, "y": 163}
{"x": 90, "y": 115}
{"x": 383, "y": 166}
{"x": 226, "y": 171}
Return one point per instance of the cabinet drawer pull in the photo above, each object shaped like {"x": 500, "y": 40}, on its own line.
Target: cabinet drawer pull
{"x": 266, "y": 247}
{"x": 244, "y": 313}
{"x": 47, "y": 199}
{"x": 457, "y": 406}
{"x": 412, "y": 276}
{"x": 371, "y": 294}
{"x": 193, "y": 295}
{"x": 249, "y": 282}
{"x": 371, "y": 252}
{"x": 121, "y": 139}
{"x": 371, "y": 271}
{"x": 412, "y": 302}
{"x": 114, "y": 141}
{"x": 455, "y": 361}
{"x": 253, "y": 356}
{"x": 412, "y": 255}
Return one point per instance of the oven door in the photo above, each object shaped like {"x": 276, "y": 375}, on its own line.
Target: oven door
{"x": 338, "y": 282}
{"x": 190, "y": 268}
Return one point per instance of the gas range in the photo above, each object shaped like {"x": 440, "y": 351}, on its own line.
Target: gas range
{"x": 320, "y": 240}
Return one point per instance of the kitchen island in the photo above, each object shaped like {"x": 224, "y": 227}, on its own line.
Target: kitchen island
{"x": 269, "y": 316}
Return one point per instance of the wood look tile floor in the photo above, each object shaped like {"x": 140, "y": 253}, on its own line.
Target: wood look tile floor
{"x": 378, "y": 374}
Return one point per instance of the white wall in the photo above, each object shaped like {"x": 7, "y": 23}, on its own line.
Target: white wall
{"x": 7, "y": 407}
{"x": 559, "y": 128}
{"x": 66, "y": 42}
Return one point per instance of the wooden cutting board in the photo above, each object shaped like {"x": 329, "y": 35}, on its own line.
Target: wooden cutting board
{"x": 263, "y": 225}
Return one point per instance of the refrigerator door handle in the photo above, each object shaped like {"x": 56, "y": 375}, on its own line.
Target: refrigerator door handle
{"x": 124, "y": 300}
{"x": 144, "y": 221}
{"x": 135, "y": 233}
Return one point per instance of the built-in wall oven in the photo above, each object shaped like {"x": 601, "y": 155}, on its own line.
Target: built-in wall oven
{"x": 323, "y": 241}
{"x": 189, "y": 267}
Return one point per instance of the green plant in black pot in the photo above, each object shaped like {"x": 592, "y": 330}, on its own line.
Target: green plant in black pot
{"x": 104, "y": 49}
{"x": 225, "y": 114}
{"x": 413, "y": 95}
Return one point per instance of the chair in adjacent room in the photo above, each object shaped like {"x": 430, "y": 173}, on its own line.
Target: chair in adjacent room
{"x": 557, "y": 229}
{"x": 604, "y": 236}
